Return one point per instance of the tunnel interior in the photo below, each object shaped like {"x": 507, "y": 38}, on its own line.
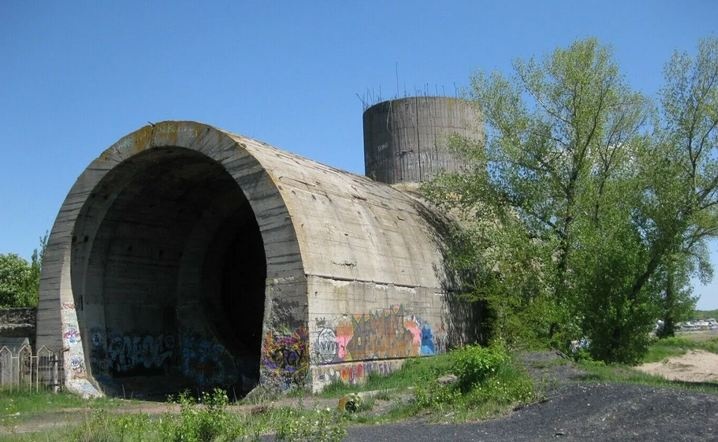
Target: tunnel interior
{"x": 168, "y": 275}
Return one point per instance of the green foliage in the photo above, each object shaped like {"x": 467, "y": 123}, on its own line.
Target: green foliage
{"x": 205, "y": 421}
{"x": 415, "y": 371}
{"x": 28, "y": 403}
{"x": 17, "y": 287}
{"x": 321, "y": 425}
{"x": 474, "y": 364}
{"x": 617, "y": 324}
{"x": 489, "y": 382}
{"x": 103, "y": 427}
{"x": 20, "y": 280}
{"x": 585, "y": 210}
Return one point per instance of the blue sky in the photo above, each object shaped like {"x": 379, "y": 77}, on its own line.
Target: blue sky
{"x": 76, "y": 76}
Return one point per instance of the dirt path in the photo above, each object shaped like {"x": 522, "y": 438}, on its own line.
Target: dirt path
{"x": 694, "y": 366}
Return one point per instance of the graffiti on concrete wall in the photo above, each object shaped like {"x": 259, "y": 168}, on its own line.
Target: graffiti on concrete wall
{"x": 134, "y": 354}
{"x": 206, "y": 361}
{"x": 326, "y": 345}
{"x": 71, "y": 336}
{"x": 77, "y": 364}
{"x": 382, "y": 334}
{"x": 98, "y": 352}
{"x": 285, "y": 359}
{"x": 202, "y": 359}
{"x": 428, "y": 346}
{"x": 354, "y": 372}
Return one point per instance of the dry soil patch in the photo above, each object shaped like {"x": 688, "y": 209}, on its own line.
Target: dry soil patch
{"x": 694, "y": 366}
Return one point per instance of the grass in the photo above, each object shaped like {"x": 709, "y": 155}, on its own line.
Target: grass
{"x": 414, "y": 372}
{"x": 199, "y": 424}
{"x": 21, "y": 405}
{"x": 488, "y": 385}
{"x": 657, "y": 351}
{"x": 678, "y": 345}
{"x": 624, "y": 374}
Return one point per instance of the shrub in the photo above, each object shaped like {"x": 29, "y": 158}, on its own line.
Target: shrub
{"x": 474, "y": 364}
{"x": 207, "y": 422}
{"x": 321, "y": 426}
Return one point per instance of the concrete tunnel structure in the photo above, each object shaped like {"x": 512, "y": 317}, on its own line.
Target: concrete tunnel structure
{"x": 188, "y": 256}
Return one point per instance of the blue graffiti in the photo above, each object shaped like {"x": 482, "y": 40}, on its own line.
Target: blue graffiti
{"x": 427, "y": 340}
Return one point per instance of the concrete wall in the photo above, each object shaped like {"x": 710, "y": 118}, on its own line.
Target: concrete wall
{"x": 407, "y": 140}
{"x": 18, "y": 323}
{"x": 189, "y": 256}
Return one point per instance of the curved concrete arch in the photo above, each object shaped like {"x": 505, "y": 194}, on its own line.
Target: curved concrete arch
{"x": 155, "y": 261}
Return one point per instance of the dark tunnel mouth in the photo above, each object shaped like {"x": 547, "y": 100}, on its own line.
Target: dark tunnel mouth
{"x": 168, "y": 275}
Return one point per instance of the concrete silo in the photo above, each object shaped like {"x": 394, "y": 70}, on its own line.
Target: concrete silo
{"x": 407, "y": 140}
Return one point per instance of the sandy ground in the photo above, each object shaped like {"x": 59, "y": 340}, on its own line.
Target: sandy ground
{"x": 694, "y": 366}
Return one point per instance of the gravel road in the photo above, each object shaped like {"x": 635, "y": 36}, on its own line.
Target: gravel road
{"x": 579, "y": 412}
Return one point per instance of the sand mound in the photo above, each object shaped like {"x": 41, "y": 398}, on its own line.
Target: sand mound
{"x": 694, "y": 366}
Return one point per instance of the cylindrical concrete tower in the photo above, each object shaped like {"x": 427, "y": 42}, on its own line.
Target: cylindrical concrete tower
{"x": 407, "y": 140}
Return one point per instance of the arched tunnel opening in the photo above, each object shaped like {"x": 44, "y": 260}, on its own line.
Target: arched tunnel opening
{"x": 168, "y": 275}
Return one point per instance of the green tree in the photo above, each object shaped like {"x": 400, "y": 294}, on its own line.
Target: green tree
{"x": 16, "y": 288}
{"x": 672, "y": 281}
{"x": 557, "y": 134}
{"x": 680, "y": 211}
{"x": 20, "y": 280}
{"x": 582, "y": 185}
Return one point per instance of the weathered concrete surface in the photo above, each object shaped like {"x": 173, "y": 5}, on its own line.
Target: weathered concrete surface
{"x": 407, "y": 140}
{"x": 18, "y": 323}
{"x": 187, "y": 255}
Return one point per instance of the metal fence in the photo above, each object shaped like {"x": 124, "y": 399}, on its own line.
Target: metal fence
{"x": 21, "y": 369}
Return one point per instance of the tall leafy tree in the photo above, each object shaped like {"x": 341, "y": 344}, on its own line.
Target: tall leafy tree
{"x": 598, "y": 186}
{"x": 16, "y": 288}
{"x": 19, "y": 279}
{"x": 679, "y": 211}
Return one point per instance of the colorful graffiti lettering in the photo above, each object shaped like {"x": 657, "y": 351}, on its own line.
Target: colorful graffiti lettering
{"x": 386, "y": 333}
{"x": 130, "y": 353}
{"x": 354, "y": 373}
{"x": 326, "y": 345}
{"x": 71, "y": 336}
{"x": 285, "y": 358}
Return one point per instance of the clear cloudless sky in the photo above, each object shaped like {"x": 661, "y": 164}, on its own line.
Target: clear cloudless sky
{"x": 75, "y": 76}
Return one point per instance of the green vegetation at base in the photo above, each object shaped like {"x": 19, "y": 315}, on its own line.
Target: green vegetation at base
{"x": 17, "y": 405}
{"x": 414, "y": 372}
{"x": 487, "y": 382}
